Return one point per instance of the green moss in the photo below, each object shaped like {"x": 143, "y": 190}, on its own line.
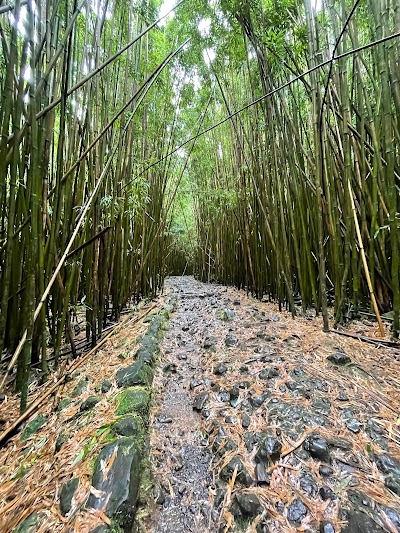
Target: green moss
{"x": 64, "y": 402}
{"x": 33, "y": 426}
{"x": 133, "y": 400}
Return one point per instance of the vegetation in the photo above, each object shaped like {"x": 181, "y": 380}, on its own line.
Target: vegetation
{"x": 113, "y": 172}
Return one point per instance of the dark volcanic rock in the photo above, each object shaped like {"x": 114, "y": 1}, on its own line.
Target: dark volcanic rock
{"x": 325, "y": 470}
{"x": 89, "y": 403}
{"x": 242, "y": 475}
{"x": 261, "y": 474}
{"x": 339, "y": 358}
{"x": 327, "y": 494}
{"x": 387, "y": 464}
{"x": 296, "y": 512}
{"x": 326, "y": 527}
{"x": 249, "y": 504}
{"x": 309, "y": 485}
{"x": 128, "y": 426}
{"x": 195, "y": 383}
{"x": 200, "y": 401}
{"x": 269, "y": 373}
{"x": 270, "y": 448}
{"x": 231, "y": 340}
{"x": 354, "y": 425}
{"x": 137, "y": 374}
{"x": 259, "y": 399}
{"x": 117, "y": 492}
{"x": 209, "y": 342}
{"x": 66, "y": 495}
{"x": 392, "y": 482}
{"x": 105, "y": 386}
{"x": 361, "y": 523}
{"x": 317, "y": 448}
{"x": 246, "y": 420}
{"x": 220, "y": 369}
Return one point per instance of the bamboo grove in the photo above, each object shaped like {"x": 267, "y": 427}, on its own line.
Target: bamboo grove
{"x": 79, "y": 231}
{"x": 286, "y": 183}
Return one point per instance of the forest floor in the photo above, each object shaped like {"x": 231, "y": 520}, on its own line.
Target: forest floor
{"x": 259, "y": 422}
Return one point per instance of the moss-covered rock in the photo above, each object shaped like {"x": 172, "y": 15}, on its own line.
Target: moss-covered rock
{"x": 137, "y": 374}
{"x": 129, "y": 426}
{"x": 33, "y": 426}
{"x": 64, "y": 402}
{"x": 66, "y": 495}
{"x": 133, "y": 400}
{"x": 29, "y": 525}
{"x": 89, "y": 403}
{"x": 80, "y": 387}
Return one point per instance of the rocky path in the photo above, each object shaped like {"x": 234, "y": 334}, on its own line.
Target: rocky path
{"x": 261, "y": 423}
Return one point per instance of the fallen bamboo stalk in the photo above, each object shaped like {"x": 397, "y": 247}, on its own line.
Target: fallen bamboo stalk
{"x": 33, "y": 407}
{"x": 376, "y": 342}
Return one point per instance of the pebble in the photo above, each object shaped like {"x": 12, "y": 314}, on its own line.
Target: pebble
{"x": 296, "y": 512}
{"x": 220, "y": 369}
{"x": 327, "y": 494}
{"x": 354, "y": 425}
{"x": 248, "y": 503}
{"x": 317, "y": 448}
{"x": 339, "y": 358}
{"x": 325, "y": 470}
{"x": 200, "y": 401}
{"x": 246, "y": 420}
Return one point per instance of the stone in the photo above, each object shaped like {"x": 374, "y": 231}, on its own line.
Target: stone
{"x": 393, "y": 515}
{"x": 268, "y": 373}
{"x": 2, "y": 397}
{"x": 105, "y": 386}
{"x": 261, "y": 474}
{"x": 245, "y": 420}
{"x": 392, "y": 482}
{"x": 270, "y": 448}
{"x": 327, "y": 494}
{"x": 297, "y": 511}
{"x": 359, "y": 522}
{"x": 249, "y": 504}
{"x": 325, "y": 471}
{"x": 88, "y": 404}
{"x": 209, "y": 342}
{"x": 117, "y": 491}
{"x": 80, "y": 387}
{"x": 291, "y": 385}
{"x": 326, "y": 527}
{"x": 309, "y": 485}
{"x": 63, "y": 403}
{"x": 29, "y": 525}
{"x": 200, "y": 401}
{"x": 354, "y": 425}
{"x": 339, "y": 358}
{"x": 220, "y": 369}
{"x": 128, "y": 426}
{"x": 242, "y": 475}
{"x": 66, "y": 495}
{"x": 231, "y": 340}
{"x": 225, "y": 314}
{"x": 137, "y": 374}
{"x": 195, "y": 383}
{"x": 317, "y": 448}
{"x": 342, "y": 444}
{"x": 259, "y": 399}
{"x": 134, "y": 399}
{"x": 61, "y": 440}
{"x": 387, "y": 464}
{"x": 33, "y": 426}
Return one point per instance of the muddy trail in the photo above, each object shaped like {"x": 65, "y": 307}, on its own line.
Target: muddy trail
{"x": 262, "y": 423}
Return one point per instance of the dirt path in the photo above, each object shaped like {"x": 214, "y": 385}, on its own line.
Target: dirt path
{"x": 246, "y": 399}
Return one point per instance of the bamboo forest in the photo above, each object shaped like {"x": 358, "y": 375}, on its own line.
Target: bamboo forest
{"x": 199, "y": 266}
